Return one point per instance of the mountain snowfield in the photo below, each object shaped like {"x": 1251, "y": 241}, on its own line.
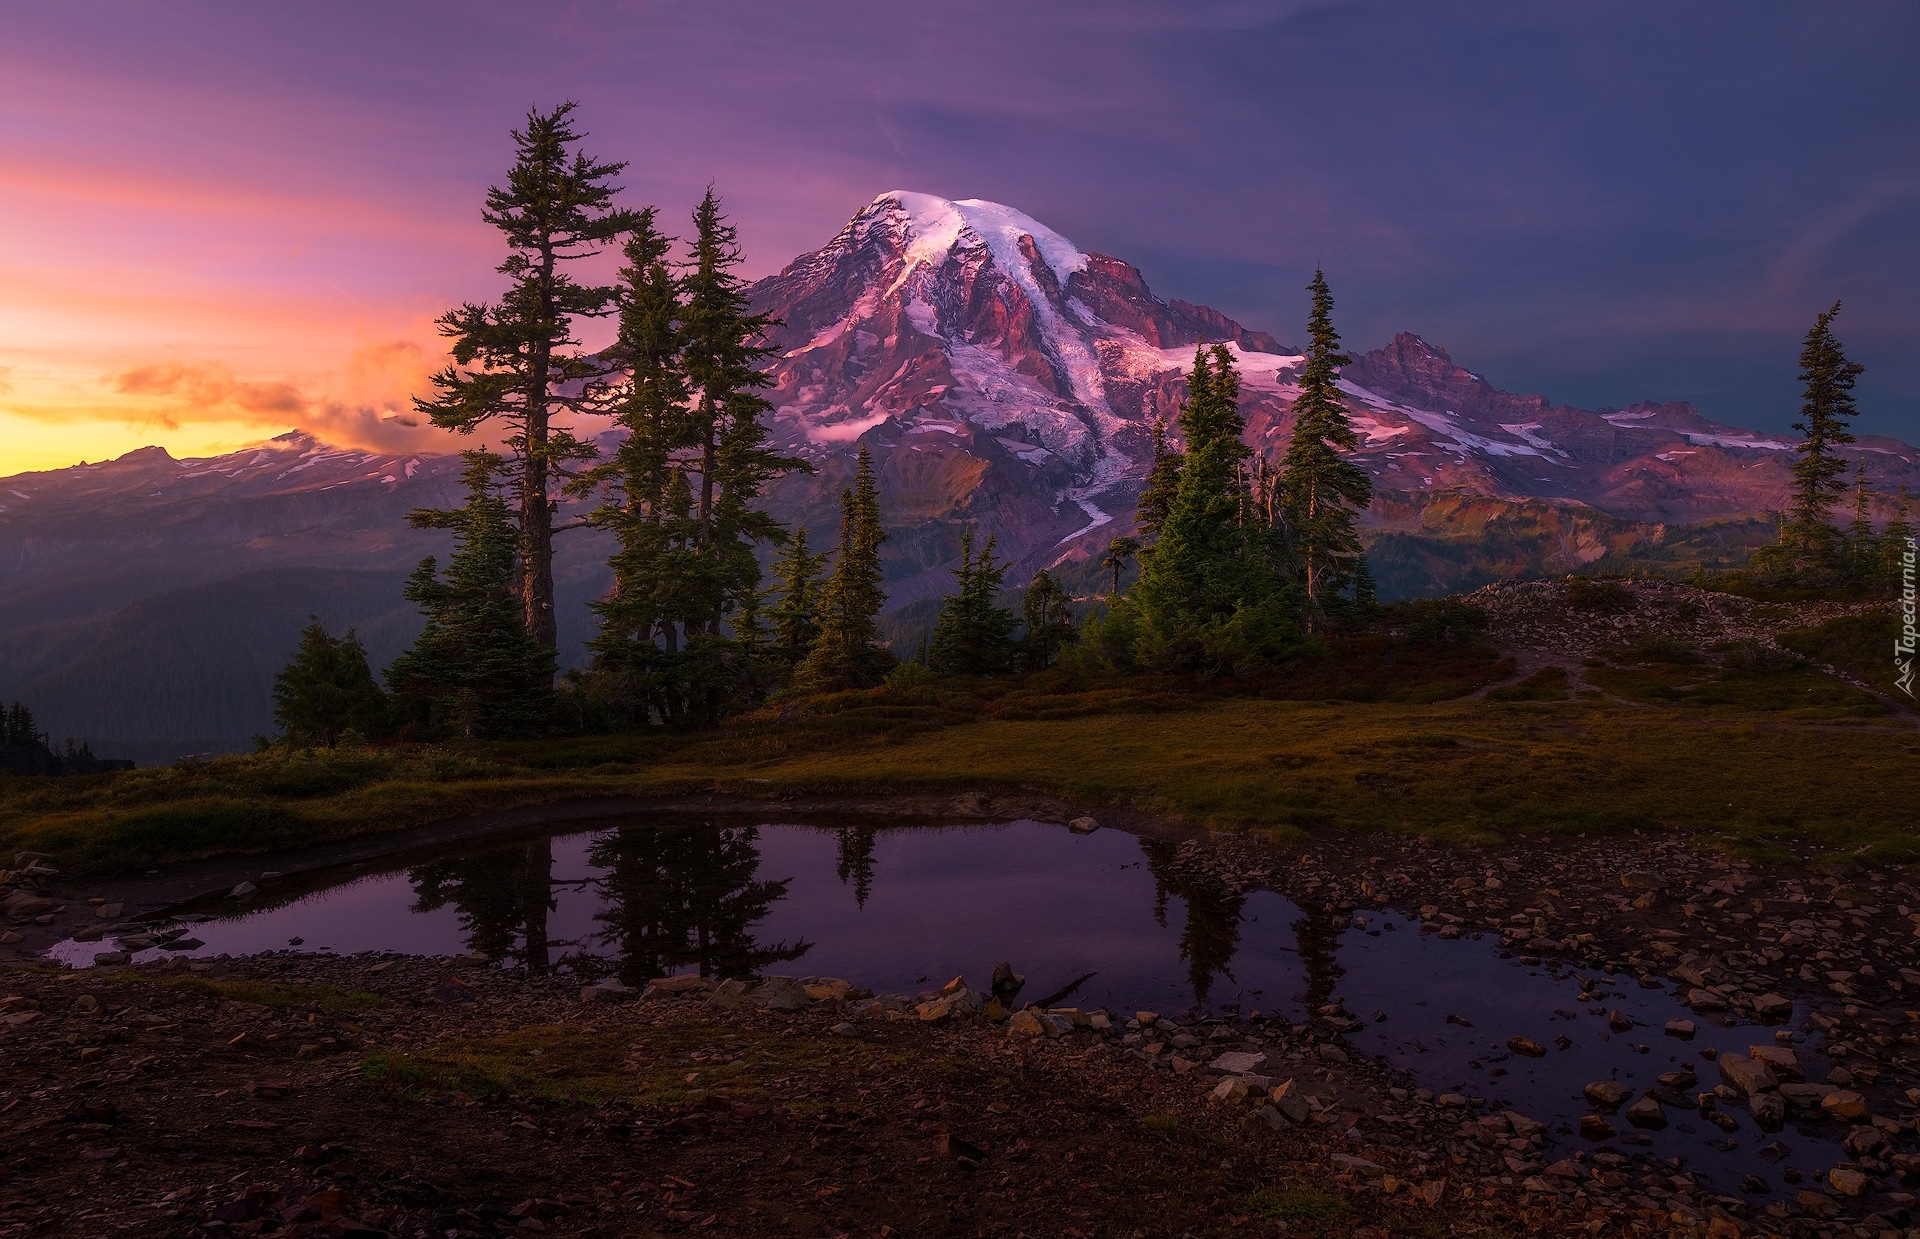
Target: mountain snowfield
{"x": 1000, "y": 376}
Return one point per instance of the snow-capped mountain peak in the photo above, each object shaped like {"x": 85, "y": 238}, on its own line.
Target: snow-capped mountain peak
{"x": 1003, "y": 375}
{"x": 937, "y": 225}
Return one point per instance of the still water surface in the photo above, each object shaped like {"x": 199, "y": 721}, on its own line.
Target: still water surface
{"x": 901, "y": 908}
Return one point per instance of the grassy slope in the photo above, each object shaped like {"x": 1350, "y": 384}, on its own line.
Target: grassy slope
{"x": 1462, "y": 771}
{"x": 1762, "y": 775}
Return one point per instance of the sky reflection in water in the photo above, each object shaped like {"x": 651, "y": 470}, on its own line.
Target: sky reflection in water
{"x": 904, "y": 908}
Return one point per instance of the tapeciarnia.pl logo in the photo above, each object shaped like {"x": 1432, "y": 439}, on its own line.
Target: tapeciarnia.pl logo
{"x": 1903, "y": 645}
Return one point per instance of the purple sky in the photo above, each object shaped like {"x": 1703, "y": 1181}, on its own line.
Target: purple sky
{"x": 218, "y": 212}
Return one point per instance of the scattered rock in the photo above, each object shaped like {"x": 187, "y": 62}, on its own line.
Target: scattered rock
{"x": 1025, "y": 1024}
{"x": 1748, "y": 1075}
{"x": 1845, "y": 1105}
{"x": 1647, "y": 1112}
{"x": 780, "y": 994}
{"x": 1236, "y": 1062}
{"x": 1608, "y": 1094}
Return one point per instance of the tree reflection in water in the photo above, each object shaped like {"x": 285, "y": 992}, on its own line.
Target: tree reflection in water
{"x": 1212, "y": 933}
{"x": 856, "y": 860}
{"x": 1316, "y": 935}
{"x": 676, "y": 897}
{"x": 504, "y": 896}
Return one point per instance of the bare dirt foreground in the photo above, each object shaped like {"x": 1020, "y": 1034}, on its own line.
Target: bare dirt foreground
{"x": 310, "y": 1096}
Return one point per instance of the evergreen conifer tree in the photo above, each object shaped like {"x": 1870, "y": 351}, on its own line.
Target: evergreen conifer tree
{"x": 21, "y": 728}
{"x": 475, "y": 670}
{"x": 1201, "y": 571}
{"x": 1163, "y": 481}
{"x": 974, "y": 633}
{"x": 796, "y": 622}
{"x": 1320, "y": 488}
{"x": 848, "y": 652}
{"x": 1863, "y": 548}
{"x": 685, "y": 484}
{"x": 1365, "y": 593}
{"x": 1119, "y": 551}
{"x": 1048, "y": 612}
{"x": 516, "y": 363}
{"x": 327, "y": 689}
{"x": 1819, "y": 474}
{"x": 647, "y": 504}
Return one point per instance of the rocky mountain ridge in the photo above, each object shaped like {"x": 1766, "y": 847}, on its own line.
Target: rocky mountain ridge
{"x": 1004, "y": 377}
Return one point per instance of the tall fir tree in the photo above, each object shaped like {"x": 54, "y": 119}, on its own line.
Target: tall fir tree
{"x": 327, "y": 690}
{"x": 684, "y": 487}
{"x": 646, "y": 504}
{"x": 474, "y": 671}
{"x": 722, "y": 353}
{"x": 1163, "y": 482}
{"x": 796, "y": 621}
{"x": 1321, "y": 489}
{"x": 1863, "y": 547}
{"x": 1819, "y": 473}
{"x": 1365, "y": 592}
{"x": 1119, "y": 553}
{"x": 516, "y": 362}
{"x": 974, "y": 633}
{"x": 1047, "y": 610}
{"x": 22, "y": 728}
{"x": 848, "y": 651}
{"x": 1207, "y": 564}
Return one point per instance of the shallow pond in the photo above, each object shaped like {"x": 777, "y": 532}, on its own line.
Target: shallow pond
{"x": 900, "y": 909}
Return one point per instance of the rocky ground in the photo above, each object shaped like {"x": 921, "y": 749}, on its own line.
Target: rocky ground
{"x": 315, "y": 1095}
{"x": 1563, "y": 622}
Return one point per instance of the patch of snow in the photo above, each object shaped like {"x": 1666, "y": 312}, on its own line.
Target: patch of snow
{"x": 1028, "y": 452}
{"x": 922, "y": 315}
{"x": 308, "y": 463}
{"x": 1708, "y": 440}
{"x": 412, "y": 465}
{"x": 1626, "y": 420}
{"x": 22, "y": 494}
{"x": 1375, "y": 431}
{"x": 1095, "y": 519}
{"x": 847, "y": 431}
{"x": 1524, "y": 432}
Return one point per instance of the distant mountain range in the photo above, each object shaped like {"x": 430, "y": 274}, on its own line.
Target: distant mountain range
{"x": 1000, "y": 376}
